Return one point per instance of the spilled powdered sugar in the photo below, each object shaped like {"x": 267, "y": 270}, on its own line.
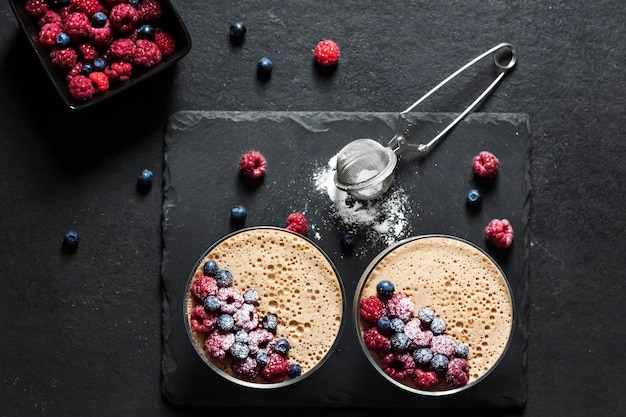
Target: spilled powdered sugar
{"x": 384, "y": 218}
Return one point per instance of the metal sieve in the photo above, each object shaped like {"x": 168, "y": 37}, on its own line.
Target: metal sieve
{"x": 365, "y": 168}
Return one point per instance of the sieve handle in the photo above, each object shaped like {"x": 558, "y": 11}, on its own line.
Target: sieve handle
{"x": 399, "y": 143}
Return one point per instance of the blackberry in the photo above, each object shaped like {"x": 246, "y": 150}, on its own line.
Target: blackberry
{"x": 225, "y": 322}
{"x": 294, "y": 370}
{"x": 400, "y": 342}
{"x": 241, "y": 336}
{"x": 438, "y": 326}
{"x": 426, "y": 316}
{"x": 212, "y": 303}
{"x": 439, "y": 362}
{"x": 210, "y": 268}
{"x": 70, "y": 242}
{"x": 385, "y": 289}
{"x": 461, "y": 350}
{"x": 282, "y": 347}
{"x": 422, "y": 356}
{"x": 397, "y": 325}
{"x": 223, "y": 278}
{"x": 384, "y": 325}
{"x": 270, "y": 323}
{"x": 239, "y": 350}
{"x": 251, "y": 296}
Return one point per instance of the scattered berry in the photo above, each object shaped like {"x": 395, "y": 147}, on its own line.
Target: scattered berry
{"x": 77, "y": 25}
{"x": 64, "y": 59}
{"x": 438, "y": 326}
{"x": 371, "y": 309}
{"x": 264, "y": 68}
{"x": 499, "y": 233}
{"x": 474, "y": 198}
{"x": 223, "y": 278}
{"x": 62, "y": 40}
{"x": 89, "y": 7}
{"x": 241, "y": 336}
{"x": 99, "y": 64}
{"x": 86, "y": 69}
{"x": 457, "y": 374}
{"x": 485, "y": 165}
{"x": 238, "y": 214}
{"x": 294, "y": 370}
{"x": 253, "y": 165}
{"x": 385, "y": 289}
{"x": 297, "y": 222}
{"x": 122, "y": 50}
{"x": 203, "y": 287}
{"x": 48, "y": 34}
{"x": 422, "y": 338}
{"x": 100, "y": 81}
{"x": 70, "y": 241}
{"x": 412, "y": 328}
{"x": 439, "y": 362}
{"x": 426, "y": 380}
{"x": 119, "y": 71}
{"x": 348, "y": 240}
{"x": 262, "y": 358}
{"x": 36, "y": 8}
{"x": 144, "y": 180}
{"x": 88, "y": 51}
{"x": 261, "y": 340}
{"x": 246, "y": 368}
{"x": 237, "y": 32}
{"x": 210, "y": 268}
{"x": 326, "y": 53}
{"x": 123, "y": 18}
{"x": 49, "y": 17}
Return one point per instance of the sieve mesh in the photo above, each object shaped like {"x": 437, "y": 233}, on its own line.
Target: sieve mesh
{"x": 360, "y": 161}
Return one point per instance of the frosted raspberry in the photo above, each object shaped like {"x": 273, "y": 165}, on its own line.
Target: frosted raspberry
{"x": 100, "y": 81}
{"x": 371, "y": 309}
{"x": 246, "y": 318}
{"x": 457, "y": 374}
{"x": 231, "y": 299}
{"x": 398, "y": 365}
{"x": 165, "y": 42}
{"x": 36, "y": 8}
{"x": 297, "y": 222}
{"x": 50, "y": 17}
{"x": 150, "y": 11}
{"x": 444, "y": 344}
{"x": 204, "y": 286}
{"x": 123, "y": 18}
{"x": 89, "y": 7}
{"x": 422, "y": 338}
{"x": 412, "y": 328}
{"x": 77, "y": 25}
{"x": 246, "y": 368}
{"x": 485, "y": 165}
{"x": 147, "y": 53}
{"x": 121, "y": 50}
{"x": 499, "y": 233}
{"x": 253, "y": 165}
{"x": 276, "y": 368}
{"x": 425, "y": 380}
{"x": 81, "y": 88}
{"x": 48, "y": 34}
{"x": 201, "y": 321}
{"x": 88, "y": 51}
{"x": 260, "y": 340}
{"x": 376, "y": 341}
{"x": 401, "y": 306}
{"x": 101, "y": 37}
{"x": 218, "y": 344}
{"x": 63, "y": 59}
{"x": 119, "y": 71}
{"x": 76, "y": 69}
{"x": 326, "y": 53}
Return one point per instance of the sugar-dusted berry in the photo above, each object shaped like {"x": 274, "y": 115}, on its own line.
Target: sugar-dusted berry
{"x": 203, "y": 287}
{"x": 401, "y": 306}
{"x": 246, "y": 318}
{"x": 457, "y": 373}
{"x": 423, "y": 356}
{"x": 210, "y": 268}
{"x": 438, "y": 326}
{"x": 231, "y": 298}
{"x": 444, "y": 344}
{"x": 223, "y": 278}
{"x": 217, "y": 344}
{"x": 439, "y": 362}
{"x": 201, "y": 321}
{"x": 246, "y": 368}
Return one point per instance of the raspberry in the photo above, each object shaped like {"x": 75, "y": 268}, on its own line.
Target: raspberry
{"x": 101, "y": 37}
{"x": 76, "y": 69}
{"x": 253, "y": 165}
{"x": 201, "y": 321}
{"x": 100, "y": 81}
{"x": 401, "y": 306}
{"x": 165, "y": 42}
{"x": 371, "y": 309}
{"x": 77, "y": 25}
{"x": 218, "y": 344}
{"x": 204, "y": 286}
{"x": 457, "y": 374}
{"x": 230, "y": 298}
{"x": 246, "y": 318}
{"x": 485, "y": 165}
{"x": 499, "y": 233}
{"x": 246, "y": 368}
{"x": 48, "y": 34}
{"x": 376, "y": 341}
{"x": 326, "y": 53}
{"x": 81, "y": 88}
{"x": 444, "y": 344}
{"x": 422, "y": 339}
{"x": 147, "y": 53}
{"x": 150, "y": 11}
{"x": 121, "y": 50}
{"x": 64, "y": 59}
{"x": 36, "y": 8}
{"x": 50, "y": 17}
{"x": 88, "y": 51}
{"x": 260, "y": 340}
{"x": 412, "y": 328}
{"x": 123, "y": 18}
{"x": 89, "y": 7}
{"x": 398, "y": 366}
{"x": 425, "y": 380}
{"x": 276, "y": 368}
{"x": 297, "y": 222}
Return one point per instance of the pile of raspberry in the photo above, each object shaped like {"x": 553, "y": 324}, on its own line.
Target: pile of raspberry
{"x": 412, "y": 345}
{"x": 96, "y": 44}
{"x": 234, "y": 331}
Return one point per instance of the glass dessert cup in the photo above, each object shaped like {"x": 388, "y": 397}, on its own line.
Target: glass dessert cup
{"x": 463, "y": 285}
{"x": 295, "y": 281}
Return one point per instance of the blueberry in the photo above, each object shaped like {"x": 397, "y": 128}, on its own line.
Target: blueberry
{"x": 212, "y": 303}
{"x": 242, "y": 336}
{"x": 264, "y": 68}
{"x": 98, "y": 20}
{"x": 63, "y": 3}
{"x": 239, "y": 350}
{"x": 426, "y": 316}
{"x": 134, "y": 3}
{"x": 99, "y": 64}
{"x": 422, "y": 356}
{"x": 144, "y": 180}
{"x": 385, "y": 289}
{"x": 270, "y": 322}
{"x": 86, "y": 69}
{"x": 439, "y": 362}
{"x": 282, "y": 347}
{"x": 384, "y": 325}
{"x": 236, "y": 32}
{"x": 438, "y": 326}
{"x": 250, "y": 296}
{"x": 145, "y": 32}
{"x": 400, "y": 342}
{"x": 238, "y": 214}
{"x": 225, "y": 322}
{"x": 474, "y": 198}
{"x": 461, "y": 350}
{"x": 210, "y": 268}
{"x": 70, "y": 241}
{"x": 223, "y": 278}
{"x": 62, "y": 39}
{"x": 294, "y": 370}
{"x": 262, "y": 358}
{"x": 348, "y": 240}
{"x": 397, "y": 325}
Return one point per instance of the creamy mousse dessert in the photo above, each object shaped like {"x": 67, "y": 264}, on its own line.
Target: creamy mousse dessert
{"x": 264, "y": 306}
{"x": 434, "y": 313}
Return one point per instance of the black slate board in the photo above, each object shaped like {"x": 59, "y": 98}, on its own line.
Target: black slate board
{"x": 201, "y": 184}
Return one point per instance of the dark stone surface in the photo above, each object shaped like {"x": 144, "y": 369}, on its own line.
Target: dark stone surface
{"x": 81, "y": 332}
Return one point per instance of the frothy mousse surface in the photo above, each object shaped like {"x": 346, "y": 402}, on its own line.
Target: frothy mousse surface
{"x": 461, "y": 284}
{"x": 294, "y": 280}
